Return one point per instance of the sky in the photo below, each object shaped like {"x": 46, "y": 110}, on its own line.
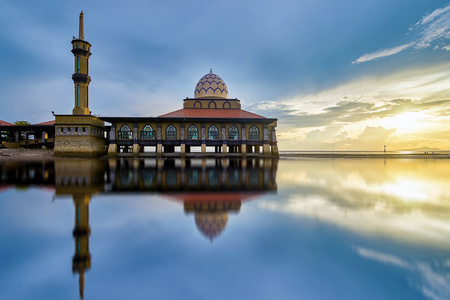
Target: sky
{"x": 338, "y": 75}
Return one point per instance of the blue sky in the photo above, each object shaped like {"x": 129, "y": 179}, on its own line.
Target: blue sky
{"x": 356, "y": 74}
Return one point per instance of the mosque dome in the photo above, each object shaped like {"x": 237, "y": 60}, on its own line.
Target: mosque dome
{"x": 211, "y": 86}
{"x": 211, "y": 224}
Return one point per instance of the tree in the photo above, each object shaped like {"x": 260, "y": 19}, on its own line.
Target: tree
{"x": 22, "y": 123}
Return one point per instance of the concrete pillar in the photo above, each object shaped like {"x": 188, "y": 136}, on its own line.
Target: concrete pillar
{"x": 158, "y": 131}
{"x": 136, "y": 149}
{"x": 224, "y": 148}
{"x": 244, "y": 149}
{"x": 135, "y": 140}
{"x": 183, "y": 149}
{"x": 112, "y": 148}
{"x": 274, "y": 143}
{"x": 203, "y": 148}
{"x": 159, "y": 149}
{"x": 182, "y": 131}
{"x": 266, "y": 149}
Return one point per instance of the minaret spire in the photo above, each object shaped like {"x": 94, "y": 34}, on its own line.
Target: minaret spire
{"x": 81, "y": 27}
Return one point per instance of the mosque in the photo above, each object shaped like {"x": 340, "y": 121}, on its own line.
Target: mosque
{"x": 210, "y": 123}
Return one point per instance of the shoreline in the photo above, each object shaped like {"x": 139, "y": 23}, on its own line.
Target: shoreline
{"x": 39, "y": 154}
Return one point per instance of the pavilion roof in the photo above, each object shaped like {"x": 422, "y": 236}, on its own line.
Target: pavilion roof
{"x": 4, "y": 123}
{"x": 51, "y": 122}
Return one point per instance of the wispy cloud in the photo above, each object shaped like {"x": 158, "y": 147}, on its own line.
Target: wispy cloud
{"x": 382, "y": 53}
{"x": 383, "y": 257}
{"x": 433, "y": 28}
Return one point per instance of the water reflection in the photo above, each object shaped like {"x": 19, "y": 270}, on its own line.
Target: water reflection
{"x": 357, "y": 226}
{"x": 404, "y": 199}
{"x": 208, "y": 188}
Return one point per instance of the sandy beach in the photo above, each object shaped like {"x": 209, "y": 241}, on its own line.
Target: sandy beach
{"x": 25, "y": 154}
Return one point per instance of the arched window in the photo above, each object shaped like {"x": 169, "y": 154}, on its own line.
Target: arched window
{"x": 253, "y": 133}
{"x": 213, "y": 133}
{"x": 233, "y": 133}
{"x": 192, "y": 133}
{"x": 78, "y": 64}
{"x": 171, "y": 178}
{"x": 212, "y": 104}
{"x": 213, "y": 178}
{"x": 148, "y": 133}
{"x": 125, "y": 132}
{"x": 171, "y": 132}
{"x": 226, "y": 104}
{"x": 193, "y": 177}
{"x": 197, "y": 104}
{"x": 78, "y": 95}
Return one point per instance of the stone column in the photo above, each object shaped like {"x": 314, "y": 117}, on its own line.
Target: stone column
{"x": 183, "y": 140}
{"x": 266, "y": 145}
{"x": 159, "y": 140}
{"x": 274, "y": 143}
{"x": 112, "y": 148}
{"x": 135, "y": 140}
{"x": 224, "y": 139}
{"x": 244, "y": 144}
{"x": 203, "y": 138}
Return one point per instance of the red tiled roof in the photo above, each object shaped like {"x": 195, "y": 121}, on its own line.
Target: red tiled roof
{"x": 213, "y": 197}
{"x": 212, "y": 113}
{"x": 4, "y": 123}
{"x": 46, "y": 123}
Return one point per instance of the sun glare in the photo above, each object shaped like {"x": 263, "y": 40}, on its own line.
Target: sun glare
{"x": 407, "y": 120}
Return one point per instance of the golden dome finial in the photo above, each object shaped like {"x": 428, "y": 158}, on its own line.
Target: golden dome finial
{"x": 210, "y": 70}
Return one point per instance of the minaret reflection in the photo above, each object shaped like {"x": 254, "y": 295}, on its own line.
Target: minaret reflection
{"x": 81, "y": 179}
{"x": 208, "y": 188}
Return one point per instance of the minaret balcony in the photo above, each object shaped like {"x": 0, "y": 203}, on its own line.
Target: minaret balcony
{"x": 80, "y": 51}
{"x": 78, "y": 77}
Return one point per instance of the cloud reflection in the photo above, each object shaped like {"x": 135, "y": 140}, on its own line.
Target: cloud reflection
{"x": 401, "y": 199}
{"x": 434, "y": 279}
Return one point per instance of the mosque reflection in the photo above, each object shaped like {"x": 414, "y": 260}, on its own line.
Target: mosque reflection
{"x": 208, "y": 188}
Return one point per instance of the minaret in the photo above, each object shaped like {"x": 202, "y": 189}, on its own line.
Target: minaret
{"x": 81, "y": 50}
{"x": 81, "y": 261}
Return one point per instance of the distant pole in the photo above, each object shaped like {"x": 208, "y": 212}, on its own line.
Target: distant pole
{"x": 384, "y": 148}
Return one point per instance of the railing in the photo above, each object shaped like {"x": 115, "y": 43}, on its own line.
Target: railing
{"x": 125, "y": 135}
{"x": 147, "y": 135}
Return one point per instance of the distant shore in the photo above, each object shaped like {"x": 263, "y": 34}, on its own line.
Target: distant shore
{"x": 38, "y": 154}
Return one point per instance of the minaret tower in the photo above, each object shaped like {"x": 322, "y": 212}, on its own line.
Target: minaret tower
{"x": 81, "y": 261}
{"x": 81, "y": 133}
{"x": 81, "y": 50}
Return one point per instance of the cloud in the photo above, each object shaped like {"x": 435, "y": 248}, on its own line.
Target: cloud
{"x": 382, "y": 53}
{"x": 434, "y": 282}
{"x": 330, "y": 133}
{"x": 383, "y": 257}
{"x": 432, "y": 28}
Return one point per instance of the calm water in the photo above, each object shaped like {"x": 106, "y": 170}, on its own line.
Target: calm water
{"x": 225, "y": 229}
